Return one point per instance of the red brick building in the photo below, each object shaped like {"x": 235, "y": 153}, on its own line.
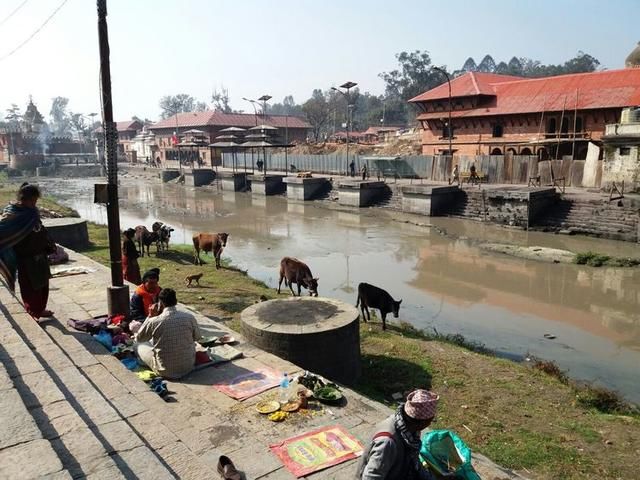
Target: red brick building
{"x": 550, "y": 117}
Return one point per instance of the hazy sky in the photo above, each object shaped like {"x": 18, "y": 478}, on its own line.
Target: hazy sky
{"x": 282, "y": 47}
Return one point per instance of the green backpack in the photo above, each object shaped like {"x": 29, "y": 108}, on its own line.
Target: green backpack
{"x": 446, "y": 455}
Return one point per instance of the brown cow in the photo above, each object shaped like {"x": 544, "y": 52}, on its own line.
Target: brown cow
{"x": 145, "y": 238}
{"x": 209, "y": 242}
{"x": 292, "y": 271}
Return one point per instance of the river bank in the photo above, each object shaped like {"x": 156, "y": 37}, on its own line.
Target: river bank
{"x": 520, "y": 417}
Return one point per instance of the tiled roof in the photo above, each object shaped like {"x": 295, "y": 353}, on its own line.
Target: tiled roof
{"x": 469, "y": 84}
{"x": 219, "y": 119}
{"x": 125, "y": 126}
{"x": 581, "y": 91}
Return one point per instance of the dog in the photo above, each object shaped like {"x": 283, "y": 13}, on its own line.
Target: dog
{"x": 193, "y": 278}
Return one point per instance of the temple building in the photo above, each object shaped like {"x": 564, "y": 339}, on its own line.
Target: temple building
{"x": 551, "y": 117}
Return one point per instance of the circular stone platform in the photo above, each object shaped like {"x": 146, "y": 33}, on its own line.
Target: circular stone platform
{"x": 69, "y": 232}
{"x": 321, "y": 335}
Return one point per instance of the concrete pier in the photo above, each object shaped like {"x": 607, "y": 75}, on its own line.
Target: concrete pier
{"x": 169, "y": 174}
{"x": 357, "y": 193}
{"x": 267, "y": 185}
{"x": 234, "y": 182}
{"x": 306, "y": 188}
{"x": 199, "y": 176}
{"x": 429, "y": 200}
{"x": 319, "y": 334}
{"x": 68, "y": 232}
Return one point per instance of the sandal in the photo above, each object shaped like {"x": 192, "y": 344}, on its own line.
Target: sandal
{"x": 227, "y": 469}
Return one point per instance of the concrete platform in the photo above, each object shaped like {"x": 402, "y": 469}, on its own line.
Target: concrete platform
{"x": 234, "y": 182}
{"x": 169, "y": 174}
{"x": 267, "y": 184}
{"x": 359, "y": 193}
{"x": 306, "y": 188}
{"x": 199, "y": 177}
{"x": 319, "y": 334}
{"x": 68, "y": 232}
{"x": 429, "y": 200}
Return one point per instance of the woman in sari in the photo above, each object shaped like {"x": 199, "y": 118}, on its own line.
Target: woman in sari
{"x": 130, "y": 267}
{"x": 24, "y": 246}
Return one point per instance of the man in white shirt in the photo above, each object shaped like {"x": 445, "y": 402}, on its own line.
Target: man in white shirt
{"x": 166, "y": 340}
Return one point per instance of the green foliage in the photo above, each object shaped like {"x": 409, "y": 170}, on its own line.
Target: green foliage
{"x": 594, "y": 259}
{"x": 604, "y": 401}
{"x": 318, "y": 112}
{"x": 180, "y": 103}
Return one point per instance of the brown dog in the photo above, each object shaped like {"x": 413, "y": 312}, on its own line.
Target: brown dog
{"x": 193, "y": 278}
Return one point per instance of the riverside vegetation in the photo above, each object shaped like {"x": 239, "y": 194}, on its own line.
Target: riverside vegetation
{"x": 528, "y": 417}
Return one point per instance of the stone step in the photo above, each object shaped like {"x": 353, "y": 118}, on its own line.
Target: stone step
{"x": 96, "y": 416}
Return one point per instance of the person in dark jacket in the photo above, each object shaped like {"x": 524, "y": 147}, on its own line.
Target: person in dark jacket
{"x": 393, "y": 451}
{"x": 24, "y": 247}
{"x": 130, "y": 267}
{"x": 145, "y": 295}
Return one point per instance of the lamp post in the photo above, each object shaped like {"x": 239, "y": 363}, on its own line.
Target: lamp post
{"x": 117, "y": 293}
{"x": 449, "y": 131}
{"x": 253, "y": 104}
{"x": 264, "y": 99}
{"x": 347, "y": 86}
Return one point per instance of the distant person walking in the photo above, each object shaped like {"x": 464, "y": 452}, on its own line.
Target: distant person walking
{"x": 130, "y": 267}
{"x": 352, "y": 168}
{"x": 456, "y": 176}
{"x": 365, "y": 171}
{"x": 24, "y": 247}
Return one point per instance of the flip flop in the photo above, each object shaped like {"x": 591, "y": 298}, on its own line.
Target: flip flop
{"x": 227, "y": 469}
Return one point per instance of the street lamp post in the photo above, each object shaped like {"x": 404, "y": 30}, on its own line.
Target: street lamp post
{"x": 347, "y": 86}
{"x": 117, "y": 293}
{"x": 253, "y": 104}
{"x": 264, "y": 99}
{"x": 449, "y": 130}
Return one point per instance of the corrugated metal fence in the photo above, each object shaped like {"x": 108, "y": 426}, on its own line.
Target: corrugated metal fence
{"x": 516, "y": 169}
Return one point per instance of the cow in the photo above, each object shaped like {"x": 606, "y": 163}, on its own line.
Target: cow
{"x": 209, "y": 242}
{"x": 293, "y": 271}
{"x": 164, "y": 235}
{"x": 370, "y": 296}
{"x": 145, "y": 238}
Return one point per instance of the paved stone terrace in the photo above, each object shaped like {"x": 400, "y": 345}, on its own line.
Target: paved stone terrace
{"x": 71, "y": 410}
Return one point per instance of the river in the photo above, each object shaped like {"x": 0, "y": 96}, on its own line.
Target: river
{"x": 445, "y": 281}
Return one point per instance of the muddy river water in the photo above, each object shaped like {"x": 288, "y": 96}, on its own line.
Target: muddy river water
{"x": 445, "y": 281}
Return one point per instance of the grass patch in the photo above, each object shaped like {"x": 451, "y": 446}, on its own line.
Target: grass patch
{"x": 604, "y": 400}
{"x": 594, "y": 259}
{"x": 223, "y": 293}
{"x": 550, "y": 368}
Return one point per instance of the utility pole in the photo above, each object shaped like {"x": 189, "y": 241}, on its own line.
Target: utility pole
{"x": 117, "y": 293}
{"x": 449, "y": 128}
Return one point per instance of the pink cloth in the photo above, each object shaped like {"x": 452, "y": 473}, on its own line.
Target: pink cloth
{"x": 421, "y": 404}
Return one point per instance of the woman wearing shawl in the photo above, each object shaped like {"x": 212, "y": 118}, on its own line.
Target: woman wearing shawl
{"x": 24, "y": 246}
{"x": 130, "y": 267}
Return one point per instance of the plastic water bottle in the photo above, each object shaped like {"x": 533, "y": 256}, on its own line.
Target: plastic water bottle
{"x": 284, "y": 389}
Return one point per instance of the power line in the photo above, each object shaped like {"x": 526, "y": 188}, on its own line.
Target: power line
{"x": 14, "y": 12}
{"x": 35, "y": 32}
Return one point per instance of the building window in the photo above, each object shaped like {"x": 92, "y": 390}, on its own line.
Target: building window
{"x": 624, "y": 151}
{"x": 551, "y": 126}
{"x": 578, "y": 125}
{"x": 498, "y": 130}
{"x": 447, "y": 132}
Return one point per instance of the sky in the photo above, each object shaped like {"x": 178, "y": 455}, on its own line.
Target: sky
{"x": 281, "y": 47}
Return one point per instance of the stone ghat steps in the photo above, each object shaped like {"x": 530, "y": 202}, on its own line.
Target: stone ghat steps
{"x": 593, "y": 218}
{"x": 76, "y": 411}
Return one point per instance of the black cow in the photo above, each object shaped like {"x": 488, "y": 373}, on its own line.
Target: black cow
{"x": 370, "y": 296}
{"x": 164, "y": 235}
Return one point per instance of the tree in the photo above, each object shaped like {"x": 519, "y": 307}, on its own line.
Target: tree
{"x": 582, "y": 62}
{"x": 180, "y": 103}
{"x": 60, "y": 124}
{"x": 79, "y": 126}
{"x": 220, "y": 100}
{"x": 470, "y": 65}
{"x": 414, "y": 76}
{"x": 487, "y": 65}
{"x": 288, "y": 106}
{"x": 317, "y": 112}
{"x": 201, "y": 107}
{"x": 13, "y": 115}
{"x": 514, "y": 67}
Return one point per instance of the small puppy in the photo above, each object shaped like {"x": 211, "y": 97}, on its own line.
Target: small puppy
{"x": 191, "y": 278}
